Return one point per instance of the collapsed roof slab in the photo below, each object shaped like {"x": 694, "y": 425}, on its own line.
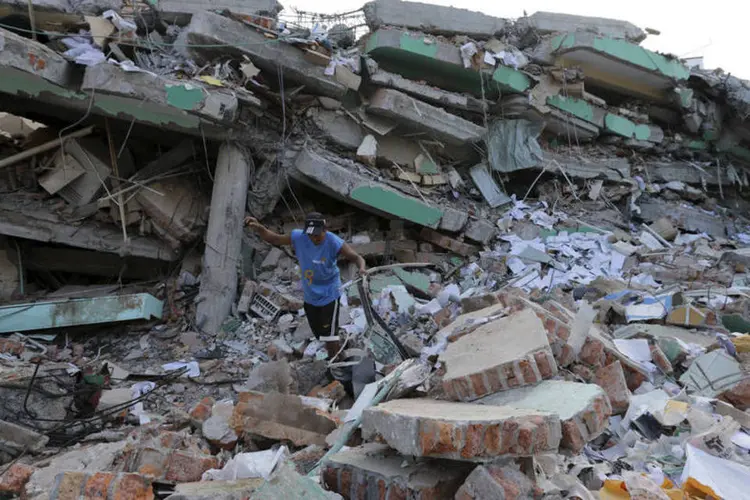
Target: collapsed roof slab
{"x": 617, "y": 65}
{"x": 211, "y": 34}
{"x": 213, "y": 104}
{"x": 50, "y": 15}
{"x": 328, "y": 177}
{"x": 419, "y": 57}
{"x": 37, "y": 79}
{"x": 432, "y": 95}
{"x": 180, "y": 11}
{"x": 557, "y": 123}
{"x": 431, "y": 18}
{"x": 23, "y": 217}
{"x": 435, "y": 122}
{"x": 547, "y": 23}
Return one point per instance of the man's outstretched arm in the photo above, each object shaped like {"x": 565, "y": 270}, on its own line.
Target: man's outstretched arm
{"x": 266, "y": 234}
{"x": 349, "y": 254}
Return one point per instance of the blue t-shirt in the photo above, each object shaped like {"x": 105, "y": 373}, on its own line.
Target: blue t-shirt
{"x": 321, "y": 279}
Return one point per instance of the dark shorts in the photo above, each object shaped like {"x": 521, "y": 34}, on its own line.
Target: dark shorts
{"x": 320, "y": 318}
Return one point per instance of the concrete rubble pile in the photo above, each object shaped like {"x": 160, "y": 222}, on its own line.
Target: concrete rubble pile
{"x": 556, "y": 304}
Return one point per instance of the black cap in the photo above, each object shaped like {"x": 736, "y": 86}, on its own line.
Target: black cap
{"x": 315, "y": 224}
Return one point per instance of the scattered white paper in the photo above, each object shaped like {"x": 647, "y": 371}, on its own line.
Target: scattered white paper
{"x": 635, "y": 349}
{"x": 726, "y": 478}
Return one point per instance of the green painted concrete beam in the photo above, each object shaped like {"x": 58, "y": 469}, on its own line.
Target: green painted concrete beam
{"x": 619, "y": 125}
{"x": 75, "y": 312}
{"x": 420, "y": 57}
{"x": 22, "y": 84}
{"x": 511, "y": 80}
{"x": 398, "y": 205}
{"x": 624, "y": 51}
{"x": 579, "y": 108}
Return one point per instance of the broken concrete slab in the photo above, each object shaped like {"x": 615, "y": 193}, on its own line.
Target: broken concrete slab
{"x": 615, "y": 64}
{"x": 435, "y": 19}
{"x": 326, "y": 175}
{"x": 216, "y": 490}
{"x": 179, "y": 208}
{"x": 686, "y": 217}
{"x": 180, "y": 11}
{"x": 500, "y": 355}
{"x": 584, "y": 409}
{"x": 613, "y": 168}
{"x": 380, "y": 469}
{"x": 28, "y": 218}
{"x": 460, "y": 431}
{"x": 427, "y": 93}
{"x": 18, "y": 439}
{"x": 53, "y": 15}
{"x": 237, "y": 39}
{"x": 33, "y": 57}
{"x": 548, "y": 23}
{"x": 342, "y": 130}
{"x": 435, "y": 122}
{"x": 557, "y": 123}
{"x": 281, "y": 417}
{"x": 491, "y": 192}
{"x": 446, "y": 242}
{"x": 420, "y": 57}
{"x": 211, "y": 103}
{"x": 668, "y": 171}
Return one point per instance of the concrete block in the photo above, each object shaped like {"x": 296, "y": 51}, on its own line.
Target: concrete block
{"x": 685, "y": 217}
{"x": 499, "y": 481}
{"x": 583, "y": 409}
{"x": 618, "y": 65}
{"x": 207, "y": 28}
{"x": 430, "y": 18}
{"x": 612, "y": 168}
{"x": 424, "y": 58}
{"x": 500, "y": 355}
{"x": 480, "y": 231}
{"x": 427, "y": 93}
{"x": 373, "y": 471}
{"x": 418, "y": 115}
{"x": 453, "y": 220}
{"x": 485, "y": 183}
{"x": 446, "y": 242}
{"x": 272, "y": 258}
{"x": 33, "y": 57}
{"x": 281, "y": 417}
{"x": 460, "y": 431}
{"x": 69, "y": 485}
{"x": 547, "y": 23}
{"x": 180, "y": 209}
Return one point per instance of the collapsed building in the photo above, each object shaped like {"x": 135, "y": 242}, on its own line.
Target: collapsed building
{"x": 135, "y": 138}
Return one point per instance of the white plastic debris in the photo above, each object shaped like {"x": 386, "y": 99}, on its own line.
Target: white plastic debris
{"x": 259, "y": 464}
{"x": 192, "y": 366}
{"x": 137, "y": 390}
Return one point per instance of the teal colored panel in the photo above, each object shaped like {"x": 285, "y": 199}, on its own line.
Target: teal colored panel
{"x": 74, "y": 312}
{"x": 399, "y": 205}
{"x": 619, "y": 125}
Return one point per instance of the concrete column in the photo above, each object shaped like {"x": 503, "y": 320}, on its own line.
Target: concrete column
{"x": 221, "y": 256}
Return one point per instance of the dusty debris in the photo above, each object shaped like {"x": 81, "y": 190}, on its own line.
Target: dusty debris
{"x": 539, "y": 276}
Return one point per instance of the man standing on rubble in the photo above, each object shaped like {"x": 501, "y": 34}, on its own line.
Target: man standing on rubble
{"x": 317, "y": 251}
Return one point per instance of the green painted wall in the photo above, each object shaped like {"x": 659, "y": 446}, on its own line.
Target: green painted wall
{"x": 399, "y": 205}
{"x": 186, "y": 97}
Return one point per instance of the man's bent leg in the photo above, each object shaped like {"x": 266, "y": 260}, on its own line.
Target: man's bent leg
{"x": 321, "y": 319}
